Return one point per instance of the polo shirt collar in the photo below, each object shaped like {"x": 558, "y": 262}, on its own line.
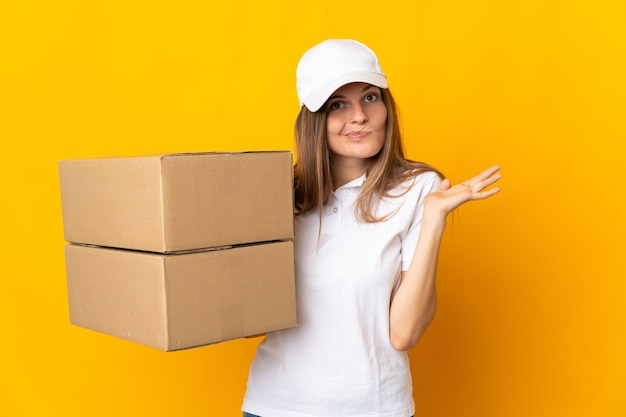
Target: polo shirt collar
{"x": 355, "y": 183}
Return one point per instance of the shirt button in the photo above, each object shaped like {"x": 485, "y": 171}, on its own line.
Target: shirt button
{"x": 345, "y": 192}
{"x": 335, "y": 209}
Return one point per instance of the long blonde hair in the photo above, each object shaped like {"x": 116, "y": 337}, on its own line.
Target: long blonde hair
{"x": 313, "y": 181}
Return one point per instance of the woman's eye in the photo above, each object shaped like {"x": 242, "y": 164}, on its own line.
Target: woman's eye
{"x": 371, "y": 97}
{"x": 335, "y": 105}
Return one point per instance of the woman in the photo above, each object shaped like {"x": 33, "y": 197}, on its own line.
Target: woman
{"x": 368, "y": 229}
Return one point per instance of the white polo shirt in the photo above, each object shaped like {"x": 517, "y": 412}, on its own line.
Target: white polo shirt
{"x": 339, "y": 361}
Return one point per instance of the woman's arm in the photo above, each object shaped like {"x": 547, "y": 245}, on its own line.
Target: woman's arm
{"x": 415, "y": 302}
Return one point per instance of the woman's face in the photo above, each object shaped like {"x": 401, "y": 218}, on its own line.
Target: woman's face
{"x": 356, "y": 124}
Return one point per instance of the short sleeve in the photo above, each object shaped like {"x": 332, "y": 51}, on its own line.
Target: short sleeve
{"x": 424, "y": 184}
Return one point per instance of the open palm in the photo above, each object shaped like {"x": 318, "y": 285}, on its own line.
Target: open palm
{"x": 449, "y": 197}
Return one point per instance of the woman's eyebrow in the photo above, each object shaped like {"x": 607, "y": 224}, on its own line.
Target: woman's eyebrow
{"x": 367, "y": 87}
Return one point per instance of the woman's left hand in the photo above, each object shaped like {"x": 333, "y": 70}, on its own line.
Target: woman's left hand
{"x": 415, "y": 301}
{"x": 449, "y": 197}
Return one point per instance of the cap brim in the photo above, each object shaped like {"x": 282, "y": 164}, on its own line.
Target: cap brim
{"x": 315, "y": 101}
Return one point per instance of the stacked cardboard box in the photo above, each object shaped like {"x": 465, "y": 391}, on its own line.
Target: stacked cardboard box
{"x": 180, "y": 250}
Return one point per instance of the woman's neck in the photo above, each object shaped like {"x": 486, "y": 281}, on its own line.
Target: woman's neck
{"x": 345, "y": 170}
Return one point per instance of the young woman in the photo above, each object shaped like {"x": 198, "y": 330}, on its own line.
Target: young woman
{"x": 368, "y": 228}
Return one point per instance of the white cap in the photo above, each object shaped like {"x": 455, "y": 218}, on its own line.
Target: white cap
{"x": 332, "y": 64}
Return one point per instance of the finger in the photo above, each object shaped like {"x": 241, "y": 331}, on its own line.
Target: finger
{"x": 486, "y": 194}
{"x": 445, "y": 184}
{"x": 481, "y": 185}
{"x": 484, "y": 179}
{"x": 484, "y": 174}
{"x": 489, "y": 171}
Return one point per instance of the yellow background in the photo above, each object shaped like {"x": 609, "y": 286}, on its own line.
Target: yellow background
{"x": 532, "y": 315}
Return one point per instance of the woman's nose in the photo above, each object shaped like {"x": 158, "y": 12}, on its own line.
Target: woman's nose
{"x": 358, "y": 114}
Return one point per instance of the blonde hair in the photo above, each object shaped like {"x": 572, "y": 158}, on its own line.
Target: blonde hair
{"x": 313, "y": 181}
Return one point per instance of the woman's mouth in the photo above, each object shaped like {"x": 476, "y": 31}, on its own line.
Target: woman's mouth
{"x": 357, "y": 135}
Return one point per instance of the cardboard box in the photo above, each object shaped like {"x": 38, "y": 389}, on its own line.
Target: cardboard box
{"x": 183, "y": 300}
{"x": 178, "y": 202}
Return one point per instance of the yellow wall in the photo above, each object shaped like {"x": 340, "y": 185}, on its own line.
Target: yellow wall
{"x": 532, "y": 318}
